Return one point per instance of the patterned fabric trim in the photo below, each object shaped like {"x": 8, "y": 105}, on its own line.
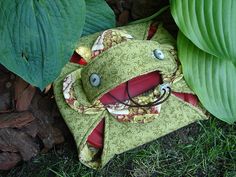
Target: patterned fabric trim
{"x": 119, "y": 111}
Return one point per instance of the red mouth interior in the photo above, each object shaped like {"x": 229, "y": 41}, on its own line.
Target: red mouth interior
{"x": 137, "y": 86}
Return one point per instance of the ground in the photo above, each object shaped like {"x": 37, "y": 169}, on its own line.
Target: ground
{"x": 206, "y": 148}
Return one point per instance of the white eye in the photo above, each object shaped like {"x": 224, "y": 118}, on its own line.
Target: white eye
{"x": 95, "y": 80}
{"x": 158, "y": 54}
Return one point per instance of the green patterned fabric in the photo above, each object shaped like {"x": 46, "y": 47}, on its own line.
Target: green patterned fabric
{"x": 116, "y": 65}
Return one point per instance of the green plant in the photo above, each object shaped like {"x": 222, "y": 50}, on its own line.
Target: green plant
{"x": 38, "y": 37}
{"x": 207, "y": 51}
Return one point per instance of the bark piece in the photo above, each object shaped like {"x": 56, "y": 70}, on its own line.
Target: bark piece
{"x": 15, "y": 120}
{"x": 6, "y": 147}
{"x": 24, "y": 93}
{"x": 50, "y": 136}
{"x": 6, "y": 102}
{"x": 32, "y": 129}
{"x": 123, "y": 18}
{"x": 20, "y": 141}
{"x": 6, "y": 90}
{"x": 9, "y": 160}
{"x": 44, "y": 108}
{"x": 23, "y": 134}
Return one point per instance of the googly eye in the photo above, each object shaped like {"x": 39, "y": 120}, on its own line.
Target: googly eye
{"x": 159, "y": 54}
{"x": 95, "y": 80}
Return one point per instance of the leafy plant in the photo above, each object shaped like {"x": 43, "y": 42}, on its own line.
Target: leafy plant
{"x": 99, "y": 17}
{"x": 38, "y": 37}
{"x": 207, "y": 51}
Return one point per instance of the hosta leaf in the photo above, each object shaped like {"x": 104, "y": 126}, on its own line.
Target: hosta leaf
{"x": 211, "y": 78}
{"x": 38, "y": 36}
{"x": 209, "y": 24}
{"x": 99, "y": 17}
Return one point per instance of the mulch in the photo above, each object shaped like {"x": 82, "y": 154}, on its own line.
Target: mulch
{"x": 30, "y": 122}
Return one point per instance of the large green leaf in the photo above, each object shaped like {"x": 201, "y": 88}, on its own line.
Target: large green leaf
{"x": 99, "y": 17}
{"x": 38, "y": 36}
{"x": 209, "y": 24}
{"x": 211, "y": 78}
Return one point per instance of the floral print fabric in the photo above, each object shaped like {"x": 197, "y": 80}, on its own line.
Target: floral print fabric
{"x": 120, "y": 111}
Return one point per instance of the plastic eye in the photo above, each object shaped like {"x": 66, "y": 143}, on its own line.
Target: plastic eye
{"x": 95, "y": 80}
{"x": 158, "y": 54}
{"x": 165, "y": 86}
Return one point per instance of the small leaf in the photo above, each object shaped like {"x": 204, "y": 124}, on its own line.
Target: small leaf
{"x": 209, "y": 24}
{"x": 212, "y": 79}
{"x": 38, "y": 37}
{"x": 99, "y": 17}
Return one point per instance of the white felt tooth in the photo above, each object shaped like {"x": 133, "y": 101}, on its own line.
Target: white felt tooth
{"x": 118, "y": 112}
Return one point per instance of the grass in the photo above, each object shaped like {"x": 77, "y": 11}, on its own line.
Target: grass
{"x": 202, "y": 149}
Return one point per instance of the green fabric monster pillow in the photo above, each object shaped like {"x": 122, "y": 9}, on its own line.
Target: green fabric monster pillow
{"x": 115, "y": 57}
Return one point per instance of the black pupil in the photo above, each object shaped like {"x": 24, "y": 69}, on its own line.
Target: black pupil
{"x": 94, "y": 79}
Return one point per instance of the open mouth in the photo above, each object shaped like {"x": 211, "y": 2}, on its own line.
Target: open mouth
{"x": 141, "y": 85}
